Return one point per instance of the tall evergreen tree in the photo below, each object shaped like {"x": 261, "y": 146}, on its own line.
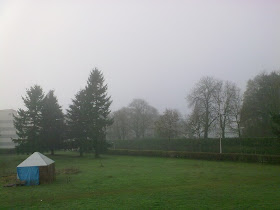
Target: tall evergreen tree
{"x": 28, "y": 122}
{"x": 88, "y": 116}
{"x": 52, "y": 122}
{"x": 77, "y": 124}
{"x": 97, "y": 106}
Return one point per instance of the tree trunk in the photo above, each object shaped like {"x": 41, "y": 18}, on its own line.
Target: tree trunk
{"x": 52, "y": 151}
{"x": 223, "y": 124}
{"x": 206, "y": 126}
{"x": 96, "y": 149}
{"x": 81, "y": 152}
{"x": 206, "y": 132}
{"x": 137, "y": 135}
{"x": 223, "y": 129}
{"x": 239, "y": 130}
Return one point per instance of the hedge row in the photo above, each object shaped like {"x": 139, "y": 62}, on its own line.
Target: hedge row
{"x": 264, "y": 146}
{"x": 7, "y": 151}
{"x": 273, "y": 159}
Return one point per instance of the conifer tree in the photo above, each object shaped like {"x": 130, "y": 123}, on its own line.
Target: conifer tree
{"x": 77, "y": 124}
{"x": 52, "y": 123}
{"x": 98, "y": 110}
{"x": 28, "y": 122}
{"x": 88, "y": 116}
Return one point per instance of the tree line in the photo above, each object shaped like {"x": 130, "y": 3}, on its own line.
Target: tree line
{"x": 218, "y": 108}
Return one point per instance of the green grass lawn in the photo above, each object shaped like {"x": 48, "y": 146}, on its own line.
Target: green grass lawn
{"x": 145, "y": 183}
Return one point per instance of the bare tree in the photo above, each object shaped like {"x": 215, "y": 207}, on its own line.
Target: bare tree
{"x": 168, "y": 124}
{"x": 235, "y": 124}
{"x": 203, "y": 96}
{"x": 121, "y": 126}
{"x": 194, "y": 123}
{"x": 225, "y": 99}
{"x": 143, "y": 117}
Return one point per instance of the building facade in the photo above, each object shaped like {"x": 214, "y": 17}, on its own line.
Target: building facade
{"x": 7, "y": 129}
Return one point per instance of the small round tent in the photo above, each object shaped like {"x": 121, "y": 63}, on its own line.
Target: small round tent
{"x": 36, "y": 169}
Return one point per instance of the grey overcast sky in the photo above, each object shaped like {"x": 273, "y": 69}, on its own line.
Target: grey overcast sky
{"x": 155, "y": 50}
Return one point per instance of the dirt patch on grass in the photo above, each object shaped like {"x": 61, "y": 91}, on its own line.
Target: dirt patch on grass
{"x": 68, "y": 171}
{"x": 196, "y": 166}
{"x": 12, "y": 178}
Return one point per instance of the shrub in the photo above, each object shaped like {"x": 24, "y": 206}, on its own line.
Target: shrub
{"x": 274, "y": 159}
{"x": 7, "y": 151}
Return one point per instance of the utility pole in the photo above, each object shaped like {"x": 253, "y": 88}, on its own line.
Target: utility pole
{"x": 220, "y": 143}
{"x": 220, "y": 133}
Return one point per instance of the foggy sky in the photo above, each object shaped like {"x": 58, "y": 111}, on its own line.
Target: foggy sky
{"x": 154, "y": 50}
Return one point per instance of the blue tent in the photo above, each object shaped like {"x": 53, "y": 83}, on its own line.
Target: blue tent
{"x": 29, "y": 169}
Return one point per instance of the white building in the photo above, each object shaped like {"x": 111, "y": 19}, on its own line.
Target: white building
{"x": 7, "y": 129}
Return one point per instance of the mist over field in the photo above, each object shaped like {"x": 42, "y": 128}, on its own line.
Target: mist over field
{"x": 139, "y": 104}
{"x": 152, "y": 50}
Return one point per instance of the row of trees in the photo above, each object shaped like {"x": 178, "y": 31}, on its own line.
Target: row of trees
{"x": 135, "y": 121}
{"x": 218, "y": 108}
{"x": 42, "y": 125}
{"x": 141, "y": 120}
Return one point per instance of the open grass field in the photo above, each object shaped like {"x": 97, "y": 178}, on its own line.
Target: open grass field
{"x": 144, "y": 183}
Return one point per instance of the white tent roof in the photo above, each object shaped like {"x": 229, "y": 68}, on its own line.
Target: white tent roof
{"x": 36, "y": 159}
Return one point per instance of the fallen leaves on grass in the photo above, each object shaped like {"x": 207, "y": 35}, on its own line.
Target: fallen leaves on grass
{"x": 68, "y": 171}
{"x": 9, "y": 178}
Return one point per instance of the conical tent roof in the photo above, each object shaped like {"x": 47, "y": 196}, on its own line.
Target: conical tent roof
{"x": 36, "y": 159}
